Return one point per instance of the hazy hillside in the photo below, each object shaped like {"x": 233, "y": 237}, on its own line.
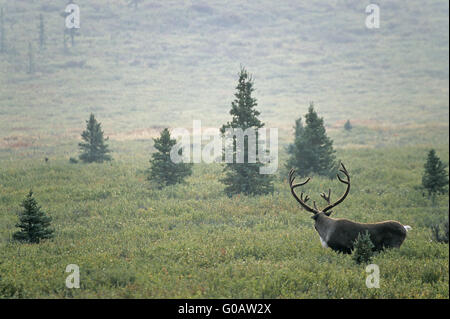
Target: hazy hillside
{"x": 170, "y": 62}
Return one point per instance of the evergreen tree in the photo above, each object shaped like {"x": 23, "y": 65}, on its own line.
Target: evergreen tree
{"x": 30, "y": 68}
{"x": 363, "y": 248}
{"x": 292, "y": 149}
{"x": 66, "y": 48}
{"x": 41, "y": 32}
{"x": 163, "y": 170}
{"x": 2, "y": 32}
{"x": 34, "y": 223}
{"x": 245, "y": 177}
{"x": 298, "y": 131}
{"x": 436, "y": 232}
{"x": 435, "y": 177}
{"x": 72, "y": 33}
{"x": 348, "y": 126}
{"x": 94, "y": 149}
{"x": 312, "y": 151}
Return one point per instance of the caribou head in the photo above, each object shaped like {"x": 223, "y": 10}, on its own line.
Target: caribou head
{"x": 340, "y": 234}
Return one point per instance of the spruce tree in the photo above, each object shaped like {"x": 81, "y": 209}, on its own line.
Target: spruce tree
{"x": 435, "y": 177}
{"x": 436, "y": 232}
{"x": 245, "y": 177}
{"x": 348, "y": 126}
{"x": 72, "y": 32}
{"x": 94, "y": 148}
{"x": 163, "y": 170}
{"x": 363, "y": 248}
{"x": 31, "y": 67}
{"x": 34, "y": 223}
{"x": 312, "y": 151}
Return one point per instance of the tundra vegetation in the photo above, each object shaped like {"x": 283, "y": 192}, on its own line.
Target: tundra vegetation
{"x": 140, "y": 71}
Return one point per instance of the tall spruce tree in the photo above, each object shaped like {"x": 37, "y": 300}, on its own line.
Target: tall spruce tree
{"x": 312, "y": 151}
{"x": 435, "y": 177}
{"x": 163, "y": 170}
{"x": 34, "y": 223}
{"x": 94, "y": 148}
{"x": 31, "y": 66}
{"x": 245, "y": 177}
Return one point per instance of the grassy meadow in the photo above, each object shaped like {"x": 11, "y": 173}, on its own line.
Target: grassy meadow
{"x": 171, "y": 62}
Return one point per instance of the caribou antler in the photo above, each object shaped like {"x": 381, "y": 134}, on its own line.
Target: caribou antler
{"x": 301, "y": 200}
{"x": 340, "y": 200}
{"x": 327, "y": 198}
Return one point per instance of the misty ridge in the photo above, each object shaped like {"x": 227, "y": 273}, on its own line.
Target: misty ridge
{"x": 133, "y": 150}
{"x": 170, "y": 61}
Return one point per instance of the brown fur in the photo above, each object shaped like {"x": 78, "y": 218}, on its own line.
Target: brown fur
{"x": 340, "y": 233}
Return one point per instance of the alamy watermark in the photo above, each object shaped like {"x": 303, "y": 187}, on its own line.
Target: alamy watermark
{"x": 373, "y": 279}
{"x": 73, "y": 16}
{"x": 237, "y": 145}
{"x": 73, "y": 280}
{"x": 373, "y": 18}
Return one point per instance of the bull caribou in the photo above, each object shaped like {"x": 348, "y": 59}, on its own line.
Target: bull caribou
{"x": 340, "y": 234}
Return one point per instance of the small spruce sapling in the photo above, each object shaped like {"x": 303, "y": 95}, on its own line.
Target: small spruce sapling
{"x": 363, "y": 248}
{"x": 94, "y": 148}
{"x": 436, "y": 232}
{"x": 435, "y": 177}
{"x": 34, "y": 223}
{"x": 163, "y": 170}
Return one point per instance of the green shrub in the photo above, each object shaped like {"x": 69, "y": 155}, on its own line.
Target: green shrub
{"x": 34, "y": 223}
{"x": 363, "y": 248}
{"x": 436, "y": 232}
{"x": 9, "y": 290}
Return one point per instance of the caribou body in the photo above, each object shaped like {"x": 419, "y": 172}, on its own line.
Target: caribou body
{"x": 340, "y": 234}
